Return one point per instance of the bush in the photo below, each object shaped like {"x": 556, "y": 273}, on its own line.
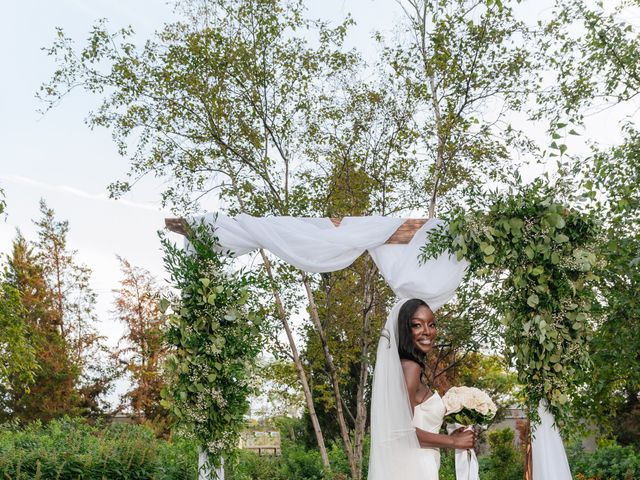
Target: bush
{"x": 251, "y": 466}
{"x": 298, "y": 460}
{"x": 300, "y": 463}
{"x": 609, "y": 462}
{"x": 447, "y": 464}
{"x": 72, "y": 449}
{"x": 295, "y": 462}
{"x": 505, "y": 462}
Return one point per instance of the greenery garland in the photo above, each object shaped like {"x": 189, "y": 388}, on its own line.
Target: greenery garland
{"x": 538, "y": 254}
{"x": 213, "y": 333}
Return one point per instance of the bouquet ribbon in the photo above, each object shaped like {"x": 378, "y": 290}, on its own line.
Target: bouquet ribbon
{"x": 467, "y": 467}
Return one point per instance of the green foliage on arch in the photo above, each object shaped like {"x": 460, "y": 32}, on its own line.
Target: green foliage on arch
{"x": 213, "y": 335}
{"x": 537, "y": 252}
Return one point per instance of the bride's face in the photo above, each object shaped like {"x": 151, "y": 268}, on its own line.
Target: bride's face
{"x": 423, "y": 329}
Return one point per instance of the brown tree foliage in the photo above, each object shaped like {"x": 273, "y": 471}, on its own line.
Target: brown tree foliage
{"x": 141, "y": 349}
{"x": 72, "y": 376}
{"x": 53, "y": 392}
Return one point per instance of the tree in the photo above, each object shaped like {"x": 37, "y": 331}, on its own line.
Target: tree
{"x": 594, "y": 72}
{"x": 352, "y": 305}
{"x": 52, "y": 393}
{"x": 611, "y": 389}
{"x": 58, "y": 302}
{"x": 3, "y": 201}
{"x": 73, "y": 304}
{"x": 489, "y": 373}
{"x": 233, "y": 92}
{"x": 470, "y": 64}
{"x": 73, "y": 299}
{"x": 18, "y": 364}
{"x": 141, "y": 350}
{"x": 237, "y": 101}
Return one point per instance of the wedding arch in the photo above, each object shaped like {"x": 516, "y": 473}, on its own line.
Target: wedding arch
{"x": 324, "y": 245}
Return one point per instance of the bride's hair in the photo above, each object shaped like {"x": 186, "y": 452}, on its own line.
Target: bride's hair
{"x": 406, "y": 348}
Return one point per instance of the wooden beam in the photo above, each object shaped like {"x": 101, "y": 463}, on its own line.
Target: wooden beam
{"x": 403, "y": 235}
{"x": 528, "y": 459}
{"x": 176, "y": 225}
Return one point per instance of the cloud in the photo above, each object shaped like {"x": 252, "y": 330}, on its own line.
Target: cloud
{"x": 101, "y": 197}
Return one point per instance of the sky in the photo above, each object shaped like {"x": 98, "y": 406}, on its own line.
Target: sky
{"x": 57, "y": 157}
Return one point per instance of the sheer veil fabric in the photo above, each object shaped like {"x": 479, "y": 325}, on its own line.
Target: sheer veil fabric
{"x": 316, "y": 245}
{"x": 395, "y": 452}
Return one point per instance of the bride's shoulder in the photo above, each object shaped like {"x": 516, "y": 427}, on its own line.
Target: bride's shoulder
{"x": 410, "y": 368}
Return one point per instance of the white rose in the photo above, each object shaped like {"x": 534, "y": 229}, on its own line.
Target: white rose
{"x": 483, "y": 408}
{"x": 472, "y": 398}
{"x": 451, "y": 400}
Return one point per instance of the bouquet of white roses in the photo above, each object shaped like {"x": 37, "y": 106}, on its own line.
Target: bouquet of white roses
{"x": 466, "y": 407}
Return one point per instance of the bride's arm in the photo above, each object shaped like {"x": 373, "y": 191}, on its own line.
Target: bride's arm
{"x": 458, "y": 439}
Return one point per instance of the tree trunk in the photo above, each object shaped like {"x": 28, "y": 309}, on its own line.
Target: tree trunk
{"x": 368, "y": 311}
{"x": 439, "y": 151}
{"x": 421, "y": 23}
{"x": 302, "y": 376}
{"x": 331, "y": 370}
{"x": 528, "y": 459}
{"x": 298, "y": 363}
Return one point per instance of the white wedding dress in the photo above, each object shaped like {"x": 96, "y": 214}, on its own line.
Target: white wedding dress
{"x": 428, "y": 416}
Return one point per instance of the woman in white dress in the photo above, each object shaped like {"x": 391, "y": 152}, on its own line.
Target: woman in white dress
{"x": 406, "y": 414}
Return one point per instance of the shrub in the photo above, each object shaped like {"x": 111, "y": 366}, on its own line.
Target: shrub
{"x": 609, "y": 462}
{"x": 72, "y": 449}
{"x": 447, "y": 465}
{"x": 295, "y": 462}
{"x": 505, "y": 462}
{"x": 300, "y": 463}
{"x": 251, "y": 466}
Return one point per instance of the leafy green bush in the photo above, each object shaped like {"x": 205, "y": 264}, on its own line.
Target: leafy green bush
{"x": 295, "y": 462}
{"x": 505, "y": 462}
{"x": 251, "y": 466}
{"x": 301, "y": 464}
{"x": 447, "y": 465}
{"x": 72, "y": 449}
{"x": 609, "y": 462}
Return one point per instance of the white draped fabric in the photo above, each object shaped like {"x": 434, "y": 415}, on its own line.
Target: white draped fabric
{"x": 310, "y": 244}
{"x": 549, "y": 458}
{"x": 466, "y": 461}
{"x": 317, "y": 245}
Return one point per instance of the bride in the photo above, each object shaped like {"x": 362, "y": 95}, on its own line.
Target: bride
{"x": 406, "y": 414}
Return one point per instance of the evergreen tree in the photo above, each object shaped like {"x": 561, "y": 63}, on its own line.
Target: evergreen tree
{"x": 73, "y": 309}
{"x": 52, "y": 393}
{"x": 17, "y": 355}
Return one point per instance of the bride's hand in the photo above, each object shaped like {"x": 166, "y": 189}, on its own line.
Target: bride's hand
{"x": 463, "y": 439}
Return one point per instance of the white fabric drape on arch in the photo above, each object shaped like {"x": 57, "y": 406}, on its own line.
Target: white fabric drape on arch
{"x": 317, "y": 245}
{"x": 549, "y": 458}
